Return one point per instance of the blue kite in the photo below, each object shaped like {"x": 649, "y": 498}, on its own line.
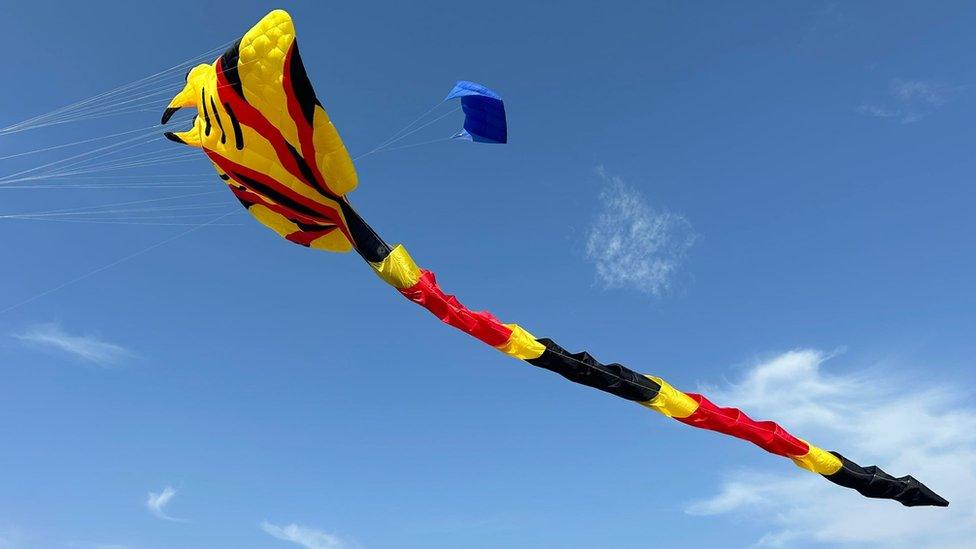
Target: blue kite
{"x": 484, "y": 113}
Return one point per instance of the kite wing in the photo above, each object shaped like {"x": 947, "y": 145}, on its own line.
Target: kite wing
{"x": 269, "y": 138}
{"x": 484, "y": 113}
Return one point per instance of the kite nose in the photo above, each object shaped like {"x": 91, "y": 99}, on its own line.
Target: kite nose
{"x": 168, "y": 113}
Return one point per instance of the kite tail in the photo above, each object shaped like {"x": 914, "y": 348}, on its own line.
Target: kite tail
{"x": 420, "y": 286}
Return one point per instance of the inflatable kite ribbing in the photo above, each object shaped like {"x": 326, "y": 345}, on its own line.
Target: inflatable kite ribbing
{"x": 271, "y": 141}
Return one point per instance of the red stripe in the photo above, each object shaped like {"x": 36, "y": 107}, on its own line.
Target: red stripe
{"x": 328, "y": 214}
{"x": 300, "y": 236}
{"x": 768, "y": 435}
{"x": 305, "y": 134}
{"x": 305, "y": 238}
{"x": 481, "y": 324}
{"x": 249, "y": 116}
{"x": 244, "y": 194}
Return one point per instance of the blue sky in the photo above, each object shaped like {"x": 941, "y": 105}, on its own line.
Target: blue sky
{"x": 794, "y": 181}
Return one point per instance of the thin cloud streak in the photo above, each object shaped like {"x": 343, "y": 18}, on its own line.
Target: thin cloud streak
{"x": 905, "y": 427}
{"x": 633, "y": 245}
{"x": 309, "y": 538}
{"x": 88, "y": 348}
{"x": 157, "y": 502}
{"x": 910, "y": 100}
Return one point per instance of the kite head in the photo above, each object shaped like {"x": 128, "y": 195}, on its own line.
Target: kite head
{"x": 198, "y": 91}
{"x": 269, "y": 138}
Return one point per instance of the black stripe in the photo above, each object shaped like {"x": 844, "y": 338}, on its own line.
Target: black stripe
{"x": 307, "y": 172}
{"x": 206, "y": 113}
{"x": 301, "y": 85}
{"x": 586, "y": 370}
{"x": 228, "y": 61}
{"x": 238, "y": 134}
{"x": 875, "y": 483}
{"x": 223, "y": 135}
{"x": 274, "y": 196}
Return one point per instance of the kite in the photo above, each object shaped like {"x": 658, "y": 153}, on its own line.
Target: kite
{"x": 271, "y": 141}
{"x": 484, "y": 113}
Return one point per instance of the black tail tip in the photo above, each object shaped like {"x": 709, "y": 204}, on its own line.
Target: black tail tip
{"x": 173, "y": 137}
{"x": 872, "y": 482}
{"x": 923, "y": 496}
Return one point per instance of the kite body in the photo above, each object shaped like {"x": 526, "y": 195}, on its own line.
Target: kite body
{"x": 484, "y": 113}
{"x": 269, "y": 138}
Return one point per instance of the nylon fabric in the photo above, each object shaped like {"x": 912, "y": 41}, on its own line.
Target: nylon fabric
{"x": 397, "y": 269}
{"x": 521, "y": 344}
{"x": 670, "y": 401}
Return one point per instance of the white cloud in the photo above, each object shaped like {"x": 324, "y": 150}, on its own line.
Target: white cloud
{"x": 89, "y": 348}
{"x": 876, "y": 111}
{"x": 156, "y": 503}
{"x": 910, "y": 100}
{"x": 926, "y": 91}
{"x": 906, "y": 426}
{"x": 310, "y": 538}
{"x": 633, "y": 245}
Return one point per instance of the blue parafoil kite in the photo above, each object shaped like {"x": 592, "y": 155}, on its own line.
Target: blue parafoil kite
{"x": 484, "y": 113}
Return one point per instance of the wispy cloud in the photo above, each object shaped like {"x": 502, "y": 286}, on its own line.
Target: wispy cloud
{"x": 905, "y": 426}
{"x": 157, "y": 502}
{"x": 85, "y": 347}
{"x": 310, "y": 538}
{"x": 910, "y": 100}
{"x": 632, "y": 244}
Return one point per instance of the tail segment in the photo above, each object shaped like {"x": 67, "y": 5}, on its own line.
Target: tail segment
{"x": 398, "y": 269}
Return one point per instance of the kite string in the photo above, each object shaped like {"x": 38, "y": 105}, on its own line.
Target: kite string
{"x": 117, "y": 144}
{"x": 418, "y": 128}
{"x": 412, "y": 122}
{"x": 156, "y": 209}
{"x": 145, "y": 81}
{"x": 116, "y": 262}
{"x": 73, "y": 143}
{"x": 115, "y": 204}
{"x": 386, "y": 145}
{"x": 140, "y": 221}
{"x": 89, "y": 108}
{"x": 388, "y": 149}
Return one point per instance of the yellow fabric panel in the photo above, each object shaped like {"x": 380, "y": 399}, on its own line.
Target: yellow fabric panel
{"x": 521, "y": 344}
{"x": 259, "y": 155}
{"x": 272, "y": 220}
{"x": 262, "y": 66}
{"x": 332, "y": 242}
{"x": 398, "y": 269}
{"x": 199, "y": 77}
{"x": 331, "y": 155}
{"x": 818, "y": 460}
{"x": 670, "y": 401}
